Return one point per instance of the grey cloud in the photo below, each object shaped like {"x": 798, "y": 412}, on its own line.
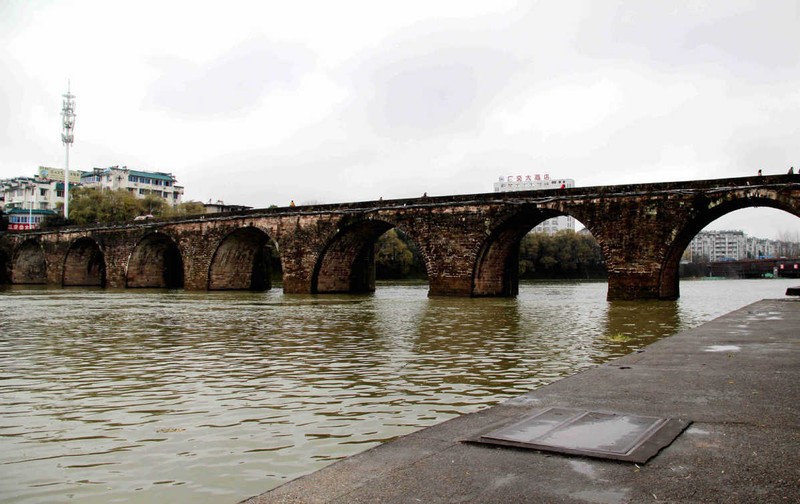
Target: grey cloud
{"x": 747, "y": 41}
{"x": 12, "y": 92}
{"x": 23, "y": 143}
{"x": 228, "y": 85}
{"x": 766, "y": 37}
{"x": 430, "y": 84}
{"x": 426, "y": 95}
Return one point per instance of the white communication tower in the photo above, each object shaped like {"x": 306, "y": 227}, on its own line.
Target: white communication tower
{"x": 67, "y": 136}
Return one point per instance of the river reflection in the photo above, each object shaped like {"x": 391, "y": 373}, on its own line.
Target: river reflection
{"x": 630, "y": 324}
{"x": 171, "y": 396}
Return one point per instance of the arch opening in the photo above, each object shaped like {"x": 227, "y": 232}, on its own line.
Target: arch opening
{"x": 156, "y": 262}
{"x": 246, "y": 259}
{"x": 84, "y": 265}
{"x": 724, "y": 248}
{"x": 348, "y": 262}
{"x": 29, "y": 265}
{"x": 397, "y": 257}
{"x": 535, "y": 244}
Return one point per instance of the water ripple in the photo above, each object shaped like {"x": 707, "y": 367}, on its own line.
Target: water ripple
{"x": 155, "y": 396}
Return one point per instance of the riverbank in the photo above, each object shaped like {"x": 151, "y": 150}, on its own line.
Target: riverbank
{"x": 734, "y": 378}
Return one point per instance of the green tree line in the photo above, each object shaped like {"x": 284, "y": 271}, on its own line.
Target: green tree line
{"x": 88, "y": 205}
{"x": 565, "y": 254}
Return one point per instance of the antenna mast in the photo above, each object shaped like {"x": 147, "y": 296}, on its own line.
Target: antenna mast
{"x": 68, "y": 124}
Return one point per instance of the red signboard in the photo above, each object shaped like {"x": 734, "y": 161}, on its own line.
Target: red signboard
{"x": 18, "y": 227}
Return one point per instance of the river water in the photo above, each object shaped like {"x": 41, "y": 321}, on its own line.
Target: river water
{"x": 173, "y": 396}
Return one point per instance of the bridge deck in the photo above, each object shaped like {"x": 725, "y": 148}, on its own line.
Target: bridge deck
{"x": 735, "y": 378}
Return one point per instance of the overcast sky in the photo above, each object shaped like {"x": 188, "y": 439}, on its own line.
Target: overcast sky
{"x": 258, "y": 103}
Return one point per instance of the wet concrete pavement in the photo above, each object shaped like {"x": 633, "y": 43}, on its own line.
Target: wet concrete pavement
{"x": 736, "y": 378}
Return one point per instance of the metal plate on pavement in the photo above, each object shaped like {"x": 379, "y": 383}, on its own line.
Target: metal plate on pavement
{"x": 614, "y": 436}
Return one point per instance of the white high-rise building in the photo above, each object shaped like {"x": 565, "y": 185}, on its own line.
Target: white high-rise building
{"x": 759, "y": 248}
{"x": 719, "y": 245}
{"x": 539, "y": 182}
{"x": 736, "y": 245}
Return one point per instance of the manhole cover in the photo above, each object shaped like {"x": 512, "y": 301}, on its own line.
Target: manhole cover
{"x": 590, "y": 433}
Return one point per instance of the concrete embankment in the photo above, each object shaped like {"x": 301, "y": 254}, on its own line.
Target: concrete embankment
{"x": 736, "y": 379}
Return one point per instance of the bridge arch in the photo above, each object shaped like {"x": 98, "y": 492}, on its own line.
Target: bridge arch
{"x": 243, "y": 261}
{"x": 84, "y": 264}
{"x": 496, "y": 270}
{"x": 29, "y": 265}
{"x": 347, "y": 262}
{"x": 156, "y": 262}
{"x": 669, "y": 282}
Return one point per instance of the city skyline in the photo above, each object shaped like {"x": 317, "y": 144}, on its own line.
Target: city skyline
{"x": 261, "y": 104}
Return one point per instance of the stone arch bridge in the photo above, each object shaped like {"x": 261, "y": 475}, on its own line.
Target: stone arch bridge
{"x": 470, "y": 243}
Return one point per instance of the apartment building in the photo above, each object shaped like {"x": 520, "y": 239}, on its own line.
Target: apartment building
{"x": 139, "y": 183}
{"x": 40, "y": 192}
{"x": 719, "y": 245}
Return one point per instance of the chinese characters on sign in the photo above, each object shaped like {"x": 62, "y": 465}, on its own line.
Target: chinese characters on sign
{"x": 527, "y": 178}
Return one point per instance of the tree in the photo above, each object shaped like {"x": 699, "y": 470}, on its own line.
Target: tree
{"x": 397, "y": 257}
{"x": 89, "y": 205}
{"x": 85, "y": 205}
{"x": 155, "y": 206}
{"x": 565, "y": 254}
{"x": 393, "y": 259}
{"x": 187, "y": 208}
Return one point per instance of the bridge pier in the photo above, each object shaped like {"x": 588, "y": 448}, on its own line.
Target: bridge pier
{"x": 633, "y": 285}
{"x": 450, "y": 286}
{"x": 116, "y": 257}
